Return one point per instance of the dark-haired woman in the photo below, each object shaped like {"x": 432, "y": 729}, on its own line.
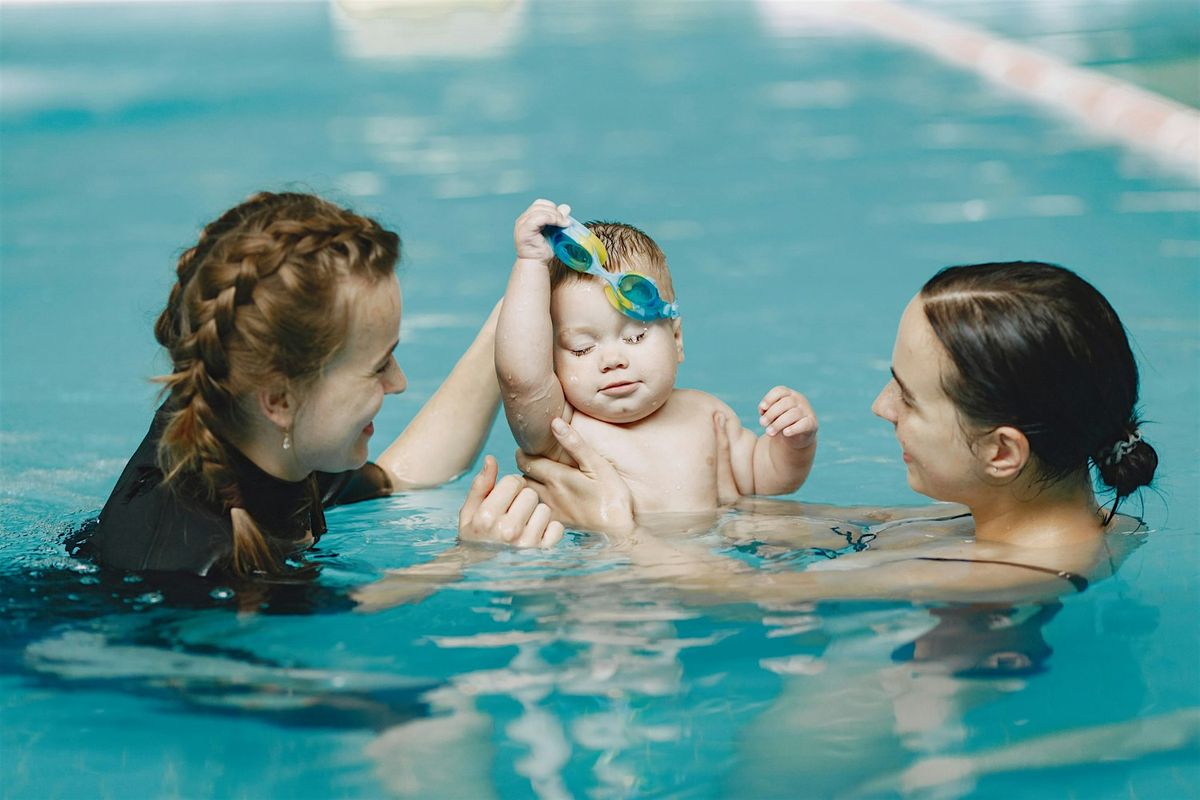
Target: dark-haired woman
{"x": 281, "y": 329}
{"x": 1009, "y": 382}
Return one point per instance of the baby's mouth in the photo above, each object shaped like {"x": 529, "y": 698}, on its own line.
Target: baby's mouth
{"x": 620, "y": 388}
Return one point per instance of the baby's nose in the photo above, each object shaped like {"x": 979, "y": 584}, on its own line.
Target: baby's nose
{"x": 613, "y": 357}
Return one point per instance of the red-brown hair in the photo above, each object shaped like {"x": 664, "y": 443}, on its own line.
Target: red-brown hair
{"x": 258, "y": 300}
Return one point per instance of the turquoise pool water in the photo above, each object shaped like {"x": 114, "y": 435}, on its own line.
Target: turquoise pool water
{"x": 802, "y": 185}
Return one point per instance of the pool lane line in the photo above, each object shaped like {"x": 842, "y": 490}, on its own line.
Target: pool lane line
{"x": 1138, "y": 118}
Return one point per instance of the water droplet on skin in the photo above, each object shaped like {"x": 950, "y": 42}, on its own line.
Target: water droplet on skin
{"x": 149, "y": 598}
{"x": 221, "y": 593}
{"x": 133, "y": 578}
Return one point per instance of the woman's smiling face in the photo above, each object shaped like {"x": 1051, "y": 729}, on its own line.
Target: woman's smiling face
{"x": 941, "y": 463}
{"x": 335, "y": 419}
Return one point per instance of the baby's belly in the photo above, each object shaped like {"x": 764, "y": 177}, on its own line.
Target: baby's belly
{"x": 677, "y": 489}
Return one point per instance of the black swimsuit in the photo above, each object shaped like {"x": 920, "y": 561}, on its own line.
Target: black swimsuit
{"x": 1078, "y": 581}
{"x": 148, "y": 526}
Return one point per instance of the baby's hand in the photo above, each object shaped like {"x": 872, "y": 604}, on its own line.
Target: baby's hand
{"x": 786, "y": 411}
{"x": 527, "y": 234}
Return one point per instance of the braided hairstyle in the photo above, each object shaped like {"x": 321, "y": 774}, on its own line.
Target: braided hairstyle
{"x": 1039, "y": 348}
{"x": 256, "y": 301}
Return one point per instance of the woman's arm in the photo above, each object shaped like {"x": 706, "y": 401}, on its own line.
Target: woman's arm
{"x": 445, "y": 436}
{"x": 863, "y": 515}
{"x": 908, "y": 579}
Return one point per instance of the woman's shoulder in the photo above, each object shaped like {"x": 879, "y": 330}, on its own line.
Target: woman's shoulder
{"x": 148, "y": 525}
{"x": 352, "y": 486}
{"x": 151, "y": 527}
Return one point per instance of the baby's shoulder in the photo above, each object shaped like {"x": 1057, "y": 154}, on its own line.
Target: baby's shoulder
{"x": 695, "y": 401}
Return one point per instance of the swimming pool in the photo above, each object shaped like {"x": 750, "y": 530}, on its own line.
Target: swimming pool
{"x": 803, "y": 183}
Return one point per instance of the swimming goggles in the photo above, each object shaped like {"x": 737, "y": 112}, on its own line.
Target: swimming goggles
{"x": 632, "y": 293}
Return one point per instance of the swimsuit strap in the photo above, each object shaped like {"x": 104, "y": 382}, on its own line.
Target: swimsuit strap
{"x": 1078, "y": 581}
{"x": 896, "y": 523}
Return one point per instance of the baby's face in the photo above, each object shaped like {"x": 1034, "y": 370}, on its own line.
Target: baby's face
{"x": 611, "y": 367}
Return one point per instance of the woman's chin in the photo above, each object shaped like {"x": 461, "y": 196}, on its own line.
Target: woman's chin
{"x": 353, "y": 460}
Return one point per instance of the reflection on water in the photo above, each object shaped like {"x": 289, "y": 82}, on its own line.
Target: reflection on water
{"x": 601, "y": 685}
{"x": 415, "y": 30}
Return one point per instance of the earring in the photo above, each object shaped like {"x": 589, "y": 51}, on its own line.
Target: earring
{"x": 287, "y": 440}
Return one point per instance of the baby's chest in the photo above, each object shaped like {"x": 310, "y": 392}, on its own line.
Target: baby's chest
{"x": 670, "y": 466}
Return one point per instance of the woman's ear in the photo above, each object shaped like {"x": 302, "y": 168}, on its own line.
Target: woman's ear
{"x": 277, "y": 405}
{"x": 677, "y": 330}
{"x": 1005, "y": 452}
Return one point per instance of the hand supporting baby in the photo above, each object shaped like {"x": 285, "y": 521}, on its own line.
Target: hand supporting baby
{"x": 507, "y": 511}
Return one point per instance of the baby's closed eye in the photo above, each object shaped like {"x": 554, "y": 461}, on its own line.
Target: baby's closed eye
{"x": 637, "y": 337}
{"x": 579, "y": 352}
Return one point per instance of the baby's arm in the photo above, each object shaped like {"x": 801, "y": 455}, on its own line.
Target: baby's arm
{"x": 779, "y": 461}
{"x": 529, "y": 388}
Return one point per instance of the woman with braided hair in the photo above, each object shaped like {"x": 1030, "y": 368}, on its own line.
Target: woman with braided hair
{"x": 281, "y": 330}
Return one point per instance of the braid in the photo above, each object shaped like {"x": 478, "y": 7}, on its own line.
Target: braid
{"x": 253, "y": 303}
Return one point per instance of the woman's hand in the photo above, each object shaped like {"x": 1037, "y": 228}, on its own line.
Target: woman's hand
{"x": 592, "y": 496}
{"x": 506, "y": 512}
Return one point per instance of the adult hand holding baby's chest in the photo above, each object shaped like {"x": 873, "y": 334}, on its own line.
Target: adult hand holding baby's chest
{"x": 668, "y": 459}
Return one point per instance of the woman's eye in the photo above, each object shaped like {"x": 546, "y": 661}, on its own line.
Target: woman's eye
{"x": 635, "y": 339}
{"x": 384, "y": 366}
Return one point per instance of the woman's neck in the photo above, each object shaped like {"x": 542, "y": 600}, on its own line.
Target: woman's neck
{"x": 263, "y": 447}
{"x": 1033, "y": 515}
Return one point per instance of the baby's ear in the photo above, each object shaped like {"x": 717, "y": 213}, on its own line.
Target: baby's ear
{"x": 677, "y": 331}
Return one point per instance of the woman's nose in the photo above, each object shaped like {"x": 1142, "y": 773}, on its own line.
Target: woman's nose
{"x": 397, "y": 382}
{"x": 885, "y": 403}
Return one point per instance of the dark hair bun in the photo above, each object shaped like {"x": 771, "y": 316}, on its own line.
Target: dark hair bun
{"x": 1132, "y": 470}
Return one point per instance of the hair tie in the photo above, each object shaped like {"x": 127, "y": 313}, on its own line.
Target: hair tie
{"x": 1118, "y": 451}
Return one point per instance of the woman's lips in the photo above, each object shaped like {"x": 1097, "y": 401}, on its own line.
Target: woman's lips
{"x": 370, "y": 429}
{"x": 620, "y": 389}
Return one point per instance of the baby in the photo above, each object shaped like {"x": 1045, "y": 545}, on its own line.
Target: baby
{"x": 602, "y": 354}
